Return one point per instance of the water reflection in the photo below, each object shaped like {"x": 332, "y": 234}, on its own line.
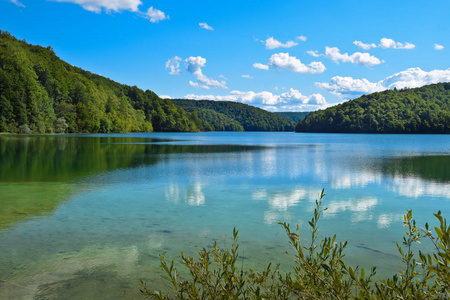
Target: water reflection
{"x": 360, "y": 208}
{"x": 37, "y": 173}
{"x": 385, "y": 220}
{"x": 147, "y": 196}
{"x": 192, "y": 194}
{"x": 347, "y": 179}
{"x": 279, "y": 203}
{"x": 415, "y": 187}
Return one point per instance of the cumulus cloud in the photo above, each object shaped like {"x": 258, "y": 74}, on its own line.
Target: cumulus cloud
{"x": 364, "y": 46}
{"x": 389, "y": 43}
{"x": 260, "y": 66}
{"x": 205, "y": 26}
{"x": 302, "y": 38}
{"x": 272, "y": 43}
{"x": 152, "y": 14}
{"x": 293, "y": 64}
{"x": 108, "y": 5}
{"x": 16, "y": 2}
{"x": 155, "y": 15}
{"x": 196, "y": 85}
{"x": 165, "y": 97}
{"x": 174, "y": 65}
{"x": 416, "y": 77}
{"x": 194, "y": 66}
{"x": 313, "y": 53}
{"x": 348, "y": 87}
{"x": 438, "y": 47}
{"x": 385, "y": 43}
{"x": 290, "y": 100}
{"x": 363, "y": 59}
{"x": 247, "y": 76}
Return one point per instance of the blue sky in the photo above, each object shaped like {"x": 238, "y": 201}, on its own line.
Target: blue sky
{"x": 277, "y": 55}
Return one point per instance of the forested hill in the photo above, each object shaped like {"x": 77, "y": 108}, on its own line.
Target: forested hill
{"x": 249, "y": 117}
{"x": 294, "y": 116}
{"x": 41, "y": 93}
{"x": 419, "y": 110}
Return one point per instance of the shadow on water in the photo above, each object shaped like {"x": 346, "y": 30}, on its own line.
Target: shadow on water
{"x": 435, "y": 168}
{"x": 37, "y": 173}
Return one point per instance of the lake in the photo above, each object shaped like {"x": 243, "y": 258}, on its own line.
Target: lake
{"x": 86, "y": 216}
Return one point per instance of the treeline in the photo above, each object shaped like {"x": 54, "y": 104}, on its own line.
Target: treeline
{"x": 294, "y": 116}
{"x": 40, "y": 93}
{"x": 249, "y": 117}
{"x": 419, "y": 110}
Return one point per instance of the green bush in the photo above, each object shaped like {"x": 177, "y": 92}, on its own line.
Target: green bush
{"x": 319, "y": 271}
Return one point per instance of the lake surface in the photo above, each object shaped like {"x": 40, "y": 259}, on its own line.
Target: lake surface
{"x": 86, "y": 216}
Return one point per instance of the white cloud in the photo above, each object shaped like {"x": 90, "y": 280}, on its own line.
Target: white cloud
{"x": 194, "y": 65}
{"x": 302, "y": 38}
{"x": 155, "y": 15}
{"x": 385, "y": 43}
{"x": 290, "y": 100}
{"x": 247, "y": 76}
{"x": 165, "y": 97}
{"x": 389, "y": 43}
{"x": 205, "y": 26}
{"x": 313, "y": 53}
{"x": 438, "y": 47}
{"x": 16, "y": 2}
{"x": 293, "y": 64}
{"x": 348, "y": 87}
{"x": 294, "y": 96}
{"x": 416, "y": 77}
{"x": 363, "y": 59}
{"x": 174, "y": 65}
{"x": 108, "y": 5}
{"x": 364, "y": 46}
{"x": 196, "y": 85}
{"x": 272, "y": 43}
{"x": 260, "y": 66}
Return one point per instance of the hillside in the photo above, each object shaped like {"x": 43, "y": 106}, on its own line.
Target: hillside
{"x": 40, "y": 93}
{"x": 293, "y": 116}
{"x": 211, "y": 120}
{"x": 419, "y": 110}
{"x": 249, "y": 117}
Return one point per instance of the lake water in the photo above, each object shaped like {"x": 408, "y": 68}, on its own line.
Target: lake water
{"x": 86, "y": 216}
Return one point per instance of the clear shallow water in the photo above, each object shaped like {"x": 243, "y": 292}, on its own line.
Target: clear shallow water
{"x": 87, "y": 216}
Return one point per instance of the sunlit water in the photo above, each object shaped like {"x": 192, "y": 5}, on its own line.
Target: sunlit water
{"x": 87, "y": 216}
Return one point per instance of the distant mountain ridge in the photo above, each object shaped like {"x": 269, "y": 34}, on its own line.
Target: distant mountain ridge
{"x": 293, "y": 116}
{"x": 249, "y": 117}
{"x": 419, "y": 110}
{"x": 40, "y": 93}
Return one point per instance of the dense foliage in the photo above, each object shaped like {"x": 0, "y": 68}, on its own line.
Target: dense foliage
{"x": 41, "y": 93}
{"x": 319, "y": 270}
{"x": 210, "y": 120}
{"x": 419, "y": 110}
{"x": 251, "y": 118}
{"x": 294, "y": 116}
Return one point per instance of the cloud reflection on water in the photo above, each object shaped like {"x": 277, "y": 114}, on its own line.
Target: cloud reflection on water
{"x": 192, "y": 194}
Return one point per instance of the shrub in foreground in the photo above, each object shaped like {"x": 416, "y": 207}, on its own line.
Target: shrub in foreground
{"x": 319, "y": 270}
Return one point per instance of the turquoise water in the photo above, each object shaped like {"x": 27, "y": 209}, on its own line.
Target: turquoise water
{"x": 87, "y": 216}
